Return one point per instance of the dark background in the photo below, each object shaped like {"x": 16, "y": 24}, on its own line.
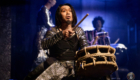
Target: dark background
{"x": 18, "y": 25}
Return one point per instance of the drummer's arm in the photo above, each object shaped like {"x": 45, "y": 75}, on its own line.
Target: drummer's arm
{"x": 82, "y": 38}
{"x": 51, "y": 39}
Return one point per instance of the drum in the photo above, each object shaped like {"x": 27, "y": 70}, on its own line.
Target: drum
{"x": 95, "y": 61}
{"x": 102, "y": 34}
{"x": 103, "y": 38}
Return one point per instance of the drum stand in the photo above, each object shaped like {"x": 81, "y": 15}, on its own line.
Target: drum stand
{"x": 117, "y": 76}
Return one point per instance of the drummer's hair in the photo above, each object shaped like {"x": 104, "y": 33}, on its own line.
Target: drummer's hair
{"x": 58, "y": 16}
{"x": 95, "y": 20}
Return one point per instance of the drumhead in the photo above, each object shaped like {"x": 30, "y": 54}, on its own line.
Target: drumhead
{"x": 95, "y": 49}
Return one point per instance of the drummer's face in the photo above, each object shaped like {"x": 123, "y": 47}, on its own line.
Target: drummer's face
{"x": 66, "y": 13}
{"x": 98, "y": 24}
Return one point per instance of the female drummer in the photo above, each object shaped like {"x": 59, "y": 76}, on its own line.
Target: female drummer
{"x": 62, "y": 41}
{"x": 98, "y": 25}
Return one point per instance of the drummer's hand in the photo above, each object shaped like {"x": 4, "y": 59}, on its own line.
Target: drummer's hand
{"x": 67, "y": 33}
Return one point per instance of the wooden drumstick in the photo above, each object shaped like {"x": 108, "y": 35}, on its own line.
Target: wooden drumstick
{"x": 95, "y": 40}
{"x": 117, "y": 41}
{"x": 81, "y": 21}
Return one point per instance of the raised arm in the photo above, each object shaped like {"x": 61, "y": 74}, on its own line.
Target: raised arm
{"x": 52, "y": 37}
{"x": 82, "y": 38}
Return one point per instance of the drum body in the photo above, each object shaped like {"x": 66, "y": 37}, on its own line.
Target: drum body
{"x": 103, "y": 38}
{"x": 96, "y": 61}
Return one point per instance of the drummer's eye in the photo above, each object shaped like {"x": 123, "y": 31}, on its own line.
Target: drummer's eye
{"x": 63, "y": 11}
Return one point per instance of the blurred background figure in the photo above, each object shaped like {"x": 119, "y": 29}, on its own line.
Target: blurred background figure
{"x": 44, "y": 19}
{"x": 44, "y": 23}
{"x": 98, "y": 31}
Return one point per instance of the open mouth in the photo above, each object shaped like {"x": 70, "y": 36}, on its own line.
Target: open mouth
{"x": 68, "y": 17}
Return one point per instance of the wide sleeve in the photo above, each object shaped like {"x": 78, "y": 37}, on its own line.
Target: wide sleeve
{"x": 82, "y": 38}
{"x": 52, "y": 37}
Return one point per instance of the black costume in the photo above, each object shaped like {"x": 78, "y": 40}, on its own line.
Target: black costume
{"x": 62, "y": 54}
{"x": 54, "y": 36}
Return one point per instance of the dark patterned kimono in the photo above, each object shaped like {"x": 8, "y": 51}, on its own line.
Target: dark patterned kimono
{"x": 60, "y": 64}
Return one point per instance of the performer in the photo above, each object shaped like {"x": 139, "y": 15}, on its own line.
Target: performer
{"x": 98, "y": 25}
{"x": 44, "y": 22}
{"x": 63, "y": 42}
{"x": 44, "y": 19}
